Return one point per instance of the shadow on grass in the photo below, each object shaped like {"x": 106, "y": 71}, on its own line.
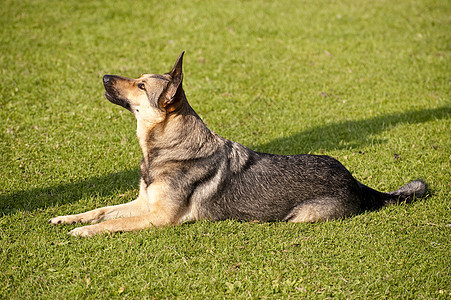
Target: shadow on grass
{"x": 102, "y": 186}
{"x": 349, "y": 134}
{"x": 339, "y": 135}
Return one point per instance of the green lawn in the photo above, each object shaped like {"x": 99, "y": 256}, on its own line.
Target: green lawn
{"x": 367, "y": 82}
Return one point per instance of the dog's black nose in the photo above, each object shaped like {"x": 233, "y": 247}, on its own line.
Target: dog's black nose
{"x": 106, "y": 79}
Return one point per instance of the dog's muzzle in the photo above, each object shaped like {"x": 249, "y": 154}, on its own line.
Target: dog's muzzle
{"x": 111, "y": 92}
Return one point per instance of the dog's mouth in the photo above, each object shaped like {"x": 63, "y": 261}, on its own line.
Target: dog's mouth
{"x": 117, "y": 100}
{"x": 110, "y": 97}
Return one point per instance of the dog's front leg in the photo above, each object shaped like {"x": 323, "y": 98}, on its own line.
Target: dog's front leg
{"x": 154, "y": 219}
{"x": 151, "y": 209}
{"x": 140, "y": 206}
{"x": 133, "y": 208}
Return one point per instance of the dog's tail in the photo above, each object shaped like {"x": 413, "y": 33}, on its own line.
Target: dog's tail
{"x": 372, "y": 199}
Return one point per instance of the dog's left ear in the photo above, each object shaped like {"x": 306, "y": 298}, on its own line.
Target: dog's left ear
{"x": 176, "y": 82}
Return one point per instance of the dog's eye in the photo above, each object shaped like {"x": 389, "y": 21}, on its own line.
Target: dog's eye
{"x": 142, "y": 86}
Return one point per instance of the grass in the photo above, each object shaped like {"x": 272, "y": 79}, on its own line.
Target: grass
{"x": 364, "y": 81}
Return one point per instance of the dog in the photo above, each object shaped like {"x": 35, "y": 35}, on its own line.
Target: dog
{"x": 190, "y": 173}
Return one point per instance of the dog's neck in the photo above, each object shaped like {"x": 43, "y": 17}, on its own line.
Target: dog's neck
{"x": 181, "y": 128}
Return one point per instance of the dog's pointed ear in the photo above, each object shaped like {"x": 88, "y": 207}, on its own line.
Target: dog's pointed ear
{"x": 177, "y": 69}
{"x": 176, "y": 81}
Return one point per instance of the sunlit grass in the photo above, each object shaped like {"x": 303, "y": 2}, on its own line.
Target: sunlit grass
{"x": 364, "y": 81}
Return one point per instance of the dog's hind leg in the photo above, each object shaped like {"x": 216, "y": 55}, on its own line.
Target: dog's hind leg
{"x": 321, "y": 209}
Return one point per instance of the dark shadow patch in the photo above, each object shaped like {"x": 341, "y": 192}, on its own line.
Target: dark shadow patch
{"x": 59, "y": 194}
{"x": 349, "y": 134}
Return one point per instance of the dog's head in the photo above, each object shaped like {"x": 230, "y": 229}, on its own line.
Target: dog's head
{"x": 150, "y": 97}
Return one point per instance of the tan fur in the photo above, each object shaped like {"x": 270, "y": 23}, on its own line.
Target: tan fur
{"x": 149, "y": 209}
{"x": 124, "y": 224}
{"x": 319, "y": 211}
{"x": 310, "y": 213}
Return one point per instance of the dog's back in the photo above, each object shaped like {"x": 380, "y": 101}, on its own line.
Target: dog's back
{"x": 301, "y": 188}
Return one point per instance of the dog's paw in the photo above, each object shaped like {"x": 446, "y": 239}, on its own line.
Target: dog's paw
{"x": 85, "y": 231}
{"x": 64, "y": 220}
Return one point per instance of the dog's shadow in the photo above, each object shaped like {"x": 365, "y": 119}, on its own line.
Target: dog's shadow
{"x": 348, "y": 134}
{"x": 122, "y": 182}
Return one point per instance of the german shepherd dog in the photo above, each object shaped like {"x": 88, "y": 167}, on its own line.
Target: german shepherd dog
{"x": 190, "y": 173}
